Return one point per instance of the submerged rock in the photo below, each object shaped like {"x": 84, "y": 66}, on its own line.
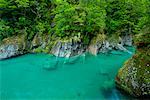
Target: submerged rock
{"x": 75, "y": 59}
{"x": 51, "y": 65}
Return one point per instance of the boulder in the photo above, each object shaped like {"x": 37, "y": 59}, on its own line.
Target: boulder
{"x": 9, "y": 50}
{"x": 127, "y": 40}
{"x": 40, "y": 44}
{"x": 13, "y": 46}
{"x": 134, "y": 76}
{"x": 67, "y": 49}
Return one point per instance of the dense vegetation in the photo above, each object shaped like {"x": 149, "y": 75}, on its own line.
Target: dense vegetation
{"x": 72, "y": 18}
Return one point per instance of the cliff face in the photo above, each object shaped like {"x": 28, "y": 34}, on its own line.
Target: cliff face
{"x": 134, "y": 76}
{"x": 18, "y": 45}
{"x": 13, "y": 46}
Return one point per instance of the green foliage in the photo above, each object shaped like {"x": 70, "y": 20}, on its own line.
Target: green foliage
{"x": 27, "y": 17}
{"x": 124, "y": 16}
{"x": 72, "y": 20}
{"x": 5, "y": 29}
{"x": 75, "y": 19}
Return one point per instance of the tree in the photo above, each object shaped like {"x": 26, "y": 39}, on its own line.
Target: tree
{"x": 74, "y": 19}
{"x": 27, "y": 17}
{"x": 124, "y": 15}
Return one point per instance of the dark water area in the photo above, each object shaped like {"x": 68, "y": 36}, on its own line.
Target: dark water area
{"x": 43, "y": 76}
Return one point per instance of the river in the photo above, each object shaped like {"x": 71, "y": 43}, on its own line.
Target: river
{"x": 45, "y": 77}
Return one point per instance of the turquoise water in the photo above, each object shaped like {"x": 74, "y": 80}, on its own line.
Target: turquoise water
{"x": 45, "y": 77}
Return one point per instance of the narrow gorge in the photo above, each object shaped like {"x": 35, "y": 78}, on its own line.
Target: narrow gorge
{"x": 74, "y": 49}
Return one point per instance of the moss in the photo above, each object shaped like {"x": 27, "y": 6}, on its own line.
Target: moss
{"x": 136, "y": 70}
{"x": 134, "y": 76}
{"x": 38, "y": 50}
{"x": 98, "y": 39}
{"x": 14, "y": 40}
{"x": 46, "y": 50}
{"x": 20, "y": 41}
{"x": 142, "y": 40}
{"x": 114, "y": 38}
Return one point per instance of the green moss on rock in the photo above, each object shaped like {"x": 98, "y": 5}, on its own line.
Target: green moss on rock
{"x": 134, "y": 76}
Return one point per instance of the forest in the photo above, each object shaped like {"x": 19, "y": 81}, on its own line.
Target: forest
{"x": 73, "y": 18}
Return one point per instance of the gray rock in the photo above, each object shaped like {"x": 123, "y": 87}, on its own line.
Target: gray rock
{"x": 127, "y": 40}
{"x": 10, "y": 50}
{"x": 67, "y": 49}
{"x": 102, "y": 47}
{"x": 56, "y": 49}
{"x": 93, "y": 49}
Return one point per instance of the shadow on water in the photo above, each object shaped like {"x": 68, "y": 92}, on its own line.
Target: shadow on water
{"x": 113, "y": 94}
{"x": 110, "y": 92}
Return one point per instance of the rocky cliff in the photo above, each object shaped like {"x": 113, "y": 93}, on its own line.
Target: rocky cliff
{"x": 103, "y": 44}
{"x": 13, "y": 46}
{"x": 18, "y": 45}
{"x": 134, "y": 76}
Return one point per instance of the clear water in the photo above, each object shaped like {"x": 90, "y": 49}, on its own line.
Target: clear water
{"x": 45, "y": 77}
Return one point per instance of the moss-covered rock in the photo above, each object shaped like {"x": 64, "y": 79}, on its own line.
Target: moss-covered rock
{"x": 103, "y": 43}
{"x": 96, "y": 43}
{"x": 13, "y": 46}
{"x": 41, "y": 43}
{"x": 134, "y": 76}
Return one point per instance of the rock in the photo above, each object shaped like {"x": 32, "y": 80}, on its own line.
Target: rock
{"x": 102, "y": 45}
{"x": 105, "y": 47}
{"x": 93, "y": 49}
{"x": 123, "y": 49}
{"x": 75, "y": 59}
{"x": 39, "y": 44}
{"x": 99, "y": 44}
{"x": 13, "y": 46}
{"x": 127, "y": 40}
{"x": 56, "y": 49}
{"x": 60, "y": 48}
{"x": 7, "y": 51}
{"x": 37, "y": 41}
{"x": 134, "y": 77}
{"x": 67, "y": 49}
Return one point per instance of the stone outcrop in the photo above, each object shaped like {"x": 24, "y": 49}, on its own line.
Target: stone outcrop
{"x": 102, "y": 47}
{"x": 40, "y": 44}
{"x": 67, "y": 49}
{"x": 134, "y": 76}
{"x": 13, "y": 46}
{"x": 9, "y": 50}
{"x": 100, "y": 44}
{"x": 127, "y": 40}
